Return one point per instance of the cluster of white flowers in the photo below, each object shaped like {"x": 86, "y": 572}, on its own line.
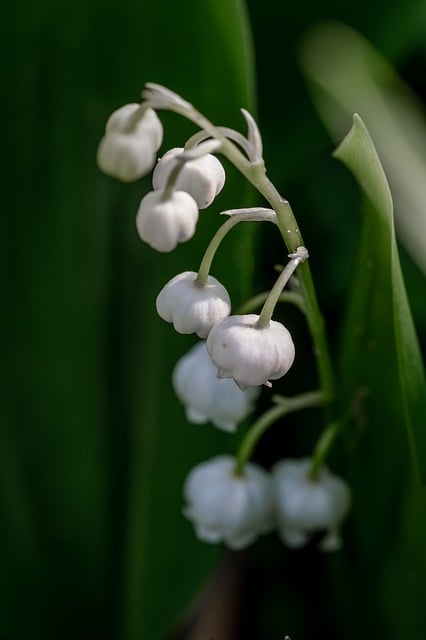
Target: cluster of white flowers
{"x": 234, "y": 508}
{"x": 167, "y": 215}
{"x": 250, "y": 355}
{"x": 183, "y": 182}
{"x": 219, "y": 379}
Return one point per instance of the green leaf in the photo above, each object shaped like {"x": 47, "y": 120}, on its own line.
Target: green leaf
{"x": 380, "y": 352}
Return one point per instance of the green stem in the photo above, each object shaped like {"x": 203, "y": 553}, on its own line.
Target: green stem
{"x": 293, "y": 238}
{"x": 285, "y": 406}
{"x": 206, "y": 262}
{"x": 171, "y": 180}
{"x": 270, "y": 303}
{"x": 230, "y": 134}
{"x": 255, "y": 214}
{"x": 257, "y": 301}
{"x": 323, "y": 446}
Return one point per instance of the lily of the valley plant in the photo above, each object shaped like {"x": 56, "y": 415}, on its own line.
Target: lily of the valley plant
{"x": 230, "y": 499}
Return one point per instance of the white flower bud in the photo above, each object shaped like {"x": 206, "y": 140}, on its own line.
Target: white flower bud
{"x": 119, "y": 119}
{"x": 226, "y": 507}
{"x": 305, "y": 505}
{"x": 249, "y": 355}
{"x": 125, "y": 156}
{"x": 128, "y": 149}
{"x": 191, "y": 306}
{"x": 147, "y": 125}
{"x": 205, "y": 396}
{"x": 203, "y": 178}
{"x": 165, "y": 223}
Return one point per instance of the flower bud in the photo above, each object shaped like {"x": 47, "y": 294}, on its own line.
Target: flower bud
{"x": 191, "y": 306}
{"x": 205, "y": 396}
{"x": 227, "y": 507}
{"x": 147, "y": 125}
{"x": 305, "y": 505}
{"x": 203, "y": 178}
{"x": 128, "y": 149}
{"x": 249, "y": 355}
{"x": 119, "y": 119}
{"x": 125, "y": 156}
{"x": 165, "y": 223}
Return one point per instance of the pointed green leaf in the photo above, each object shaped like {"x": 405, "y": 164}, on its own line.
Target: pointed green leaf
{"x": 380, "y": 351}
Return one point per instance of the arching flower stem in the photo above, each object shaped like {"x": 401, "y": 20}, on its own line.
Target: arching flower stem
{"x": 300, "y": 255}
{"x": 171, "y": 181}
{"x": 323, "y": 446}
{"x": 254, "y": 214}
{"x": 257, "y": 301}
{"x": 282, "y": 408}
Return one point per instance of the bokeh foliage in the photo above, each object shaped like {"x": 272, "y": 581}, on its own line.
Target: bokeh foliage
{"x": 375, "y": 587}
{"x": 93, "y": 445}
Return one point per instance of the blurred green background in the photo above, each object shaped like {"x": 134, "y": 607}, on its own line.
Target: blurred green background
{"x": 93, "y": 445}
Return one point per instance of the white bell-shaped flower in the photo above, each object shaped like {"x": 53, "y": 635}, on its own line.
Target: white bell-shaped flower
{"x": 229, "y": 508}
{"x": 163, "y": 224}
{"x": 202, "y": 177}
{"x": 249, "y": 355}
{"x": 205, "y": 396}
{"x": 305, "y": 505}
{"x": 132, "y": 137}
{"x": 193, "y": 307}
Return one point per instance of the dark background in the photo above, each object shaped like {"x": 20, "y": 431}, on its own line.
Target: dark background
{"x": 93, "y": 445}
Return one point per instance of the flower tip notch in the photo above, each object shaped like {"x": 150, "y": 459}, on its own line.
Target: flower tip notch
{"x": 254, "y": 138}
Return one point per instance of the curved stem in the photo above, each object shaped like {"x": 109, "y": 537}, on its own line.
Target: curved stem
{"x": 285, "y": 405}
{"x": 171, "y": 180}
{"x": 268, "y": 308}
{"x": 236, "y": 136}
{"x": 255, "y": 214}
{"x": 323, "y": 446}
{"x": 182, "y": 158}
{"x": 292, "y": 239}
{"x": 257, "y": 301}
{"x": 206, "y": 262}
